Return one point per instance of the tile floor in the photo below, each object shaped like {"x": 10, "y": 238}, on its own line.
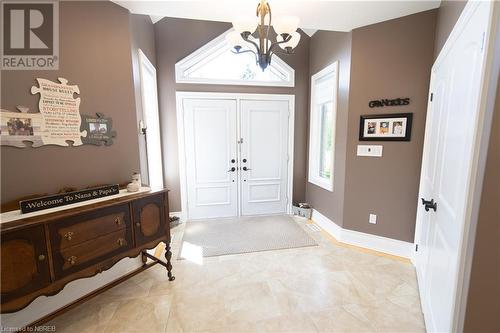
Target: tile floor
{"x": 325, "y": 288}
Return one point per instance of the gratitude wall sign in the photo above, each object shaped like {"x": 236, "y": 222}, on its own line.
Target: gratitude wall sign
{"x": 379, "y": 103}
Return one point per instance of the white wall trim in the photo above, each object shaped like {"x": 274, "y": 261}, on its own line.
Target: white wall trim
{"x": 182, "y": 95}
{"x": 373, "y": 242}
{"x": 315, "y": 130}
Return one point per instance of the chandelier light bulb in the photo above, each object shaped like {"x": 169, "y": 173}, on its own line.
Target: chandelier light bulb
{"x": 245, "y": 24}
{"x": 286, "y": 24}
{"x": 235, "y": 40}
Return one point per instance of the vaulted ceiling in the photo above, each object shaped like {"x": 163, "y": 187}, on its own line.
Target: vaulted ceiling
{"x": 314, "y": 14}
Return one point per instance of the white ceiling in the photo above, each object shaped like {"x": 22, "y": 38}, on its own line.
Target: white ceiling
{"x": 314, "y": 14}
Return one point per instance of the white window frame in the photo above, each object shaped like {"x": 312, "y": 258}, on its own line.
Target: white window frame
{"x": 151, "y": 120}
{"x": 315, "y": 128}
{"x": 214, "y": 48}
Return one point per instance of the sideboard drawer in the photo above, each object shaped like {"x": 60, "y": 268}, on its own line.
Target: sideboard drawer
{"x": 82, "y": 228}
{"x": 91, "y": 252}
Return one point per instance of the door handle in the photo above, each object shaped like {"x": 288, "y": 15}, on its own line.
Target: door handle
{"x": 233, "y": 169}
{"x": 246, "y": 169}
{"x": 429, "y": 204}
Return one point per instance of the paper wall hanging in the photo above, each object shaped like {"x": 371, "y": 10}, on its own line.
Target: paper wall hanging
{"x": 58, "y": 121}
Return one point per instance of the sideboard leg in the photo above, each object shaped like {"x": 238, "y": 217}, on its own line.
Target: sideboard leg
{"x": 168, "y": 256}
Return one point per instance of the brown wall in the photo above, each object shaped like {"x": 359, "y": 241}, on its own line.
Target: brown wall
{"x": 95, "y": 55}
{"x": 325, "y": 48}
{"x": 447, "y": 16}
{"x": 176, "y": 39}
{"x": 389, "y": 60}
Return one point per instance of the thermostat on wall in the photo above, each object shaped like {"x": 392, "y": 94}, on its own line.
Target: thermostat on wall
{"x": 370, "y": 150}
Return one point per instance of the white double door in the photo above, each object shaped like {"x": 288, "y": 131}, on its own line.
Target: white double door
{"x": 453, "y": 119}
{"x": 236, "y": 156}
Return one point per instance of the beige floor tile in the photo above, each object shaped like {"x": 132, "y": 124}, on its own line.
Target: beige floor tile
{"x": 338, "y": 319}
{"x": 300, "y": 323}
{"x": 89, "y": 317}
{"x": 142, "y": 314}
{"x": 325, "y": 288}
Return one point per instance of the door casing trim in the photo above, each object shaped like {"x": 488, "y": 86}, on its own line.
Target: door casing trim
{"x": 182, "y": 95}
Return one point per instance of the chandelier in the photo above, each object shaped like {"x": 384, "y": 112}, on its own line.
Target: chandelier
{"x": 243, "y": 41}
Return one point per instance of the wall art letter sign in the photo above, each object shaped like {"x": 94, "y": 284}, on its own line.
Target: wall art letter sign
{"x": 389, "y": 102}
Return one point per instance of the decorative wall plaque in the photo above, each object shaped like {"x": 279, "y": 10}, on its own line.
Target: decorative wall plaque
{"x": 98, "y": 130}
{"x": 380, "y": 103}
{"x": 51, "y": 201}
{"x": 58, "y": 122}
{"x": 60, "y": 112}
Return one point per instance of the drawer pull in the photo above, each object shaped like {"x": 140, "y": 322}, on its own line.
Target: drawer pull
{"x": 68, "y": 235}
{"x": 41, "y": 257}
{"x": 118, "y": 221}
{"x": 137, "y": 224}
{"x": 120, "y": 241}
{"x": 71, "y": 260}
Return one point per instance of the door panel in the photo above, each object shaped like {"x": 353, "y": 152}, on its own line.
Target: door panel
{"x": 446, "y": 167}
{"x": 149, "y": 218}
{"x": 264, "y": 130}
{"x": 210, "y": 141}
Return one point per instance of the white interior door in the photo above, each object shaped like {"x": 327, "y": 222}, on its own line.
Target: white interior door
{"x": 452, "y": 120}
{"x": 149, "y": 94}
{"x": 211, "y": 157}
{"x": 264, "y": 156}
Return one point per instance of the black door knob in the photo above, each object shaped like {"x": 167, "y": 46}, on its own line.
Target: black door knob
{"x": 429, "y": 204}
{"x": 246, "y": 169}
{"x": 233, "y": 160}
{"x": 244, "y": 160}
{"x": 233, "y": 169}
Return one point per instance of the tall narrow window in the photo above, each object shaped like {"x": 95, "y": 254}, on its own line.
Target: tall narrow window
{"x": 324, "y": 87}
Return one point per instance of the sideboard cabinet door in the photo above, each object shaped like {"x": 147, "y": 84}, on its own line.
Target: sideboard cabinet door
{"x": 24, "y": 264}
{"x": 149, "y": 219}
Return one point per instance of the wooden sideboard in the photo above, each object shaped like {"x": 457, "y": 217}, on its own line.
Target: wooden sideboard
{"x": 41, "y": 254}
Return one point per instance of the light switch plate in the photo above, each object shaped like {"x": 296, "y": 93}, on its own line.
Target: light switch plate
{"x": 372, "y": 219}
{"x": 370, "y": 150}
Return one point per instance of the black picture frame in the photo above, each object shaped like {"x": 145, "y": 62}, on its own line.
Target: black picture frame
{"x": 389, "y": 128}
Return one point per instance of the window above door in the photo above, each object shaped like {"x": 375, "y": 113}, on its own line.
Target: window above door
{"x": 214, "y": 63}
{"x": 323, "y": 114}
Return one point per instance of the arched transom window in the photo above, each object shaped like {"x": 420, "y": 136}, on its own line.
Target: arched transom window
{"x": 214, "y": 63}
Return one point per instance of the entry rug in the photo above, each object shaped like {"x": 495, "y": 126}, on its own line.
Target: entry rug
{"x": 210, "y": 238}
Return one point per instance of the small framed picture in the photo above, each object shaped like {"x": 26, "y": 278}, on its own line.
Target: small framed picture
{"x": 385, "y": 127}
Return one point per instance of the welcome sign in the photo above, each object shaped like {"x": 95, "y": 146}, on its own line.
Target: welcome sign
{"x": 33, "y": 205}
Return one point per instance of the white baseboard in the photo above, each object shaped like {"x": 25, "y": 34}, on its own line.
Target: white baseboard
{"x": 361, "y": 239}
